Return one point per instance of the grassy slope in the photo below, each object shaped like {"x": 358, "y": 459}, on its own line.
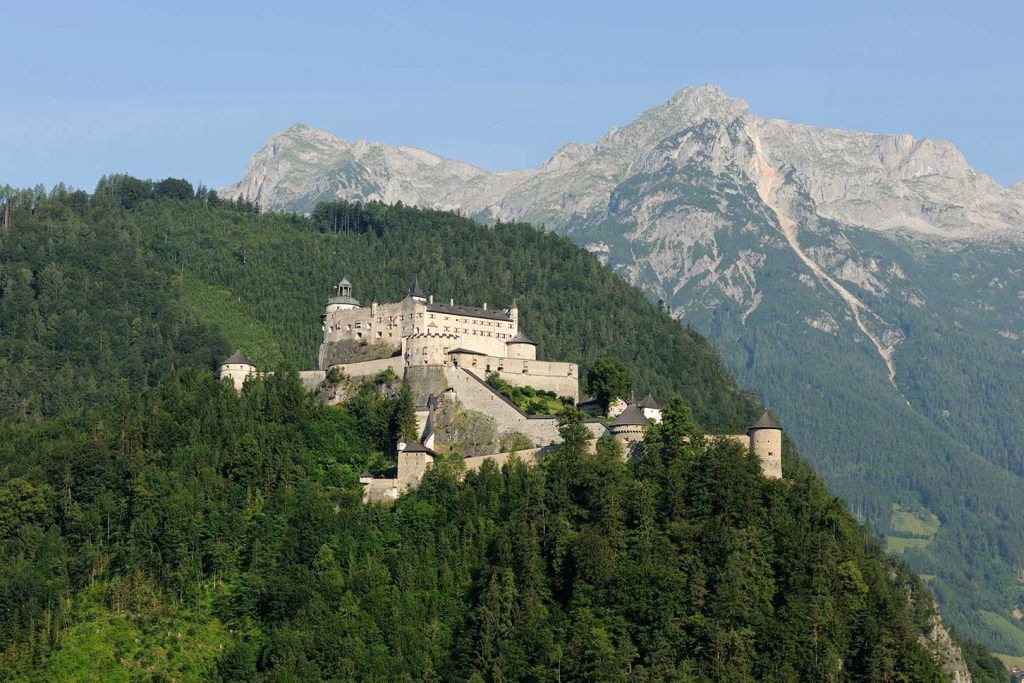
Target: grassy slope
{"x": 149, "y": 639}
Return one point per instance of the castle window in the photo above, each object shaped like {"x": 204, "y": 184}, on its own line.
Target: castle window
{"x": 380, "y": 334}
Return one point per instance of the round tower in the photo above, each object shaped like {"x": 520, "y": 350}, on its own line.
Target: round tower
{"x": 766, "y": 442}
{"x": 629, "y": 428}
{"x": 342, "y": 299}
{"x": 520, "y": 346}
{"x": 236, "y": 368}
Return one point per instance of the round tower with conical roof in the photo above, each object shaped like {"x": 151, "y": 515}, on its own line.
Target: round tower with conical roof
{"x": 629, "y": 428}
{"x": 520, "y": 346}
{"x": 236, "y": 368}
{"x": 766, "y": 442}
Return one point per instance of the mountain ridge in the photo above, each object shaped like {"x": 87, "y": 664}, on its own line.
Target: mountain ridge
{"x": 494, "y": 194}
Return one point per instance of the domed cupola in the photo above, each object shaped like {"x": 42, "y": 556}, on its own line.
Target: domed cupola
{"x": 342, "y": 299}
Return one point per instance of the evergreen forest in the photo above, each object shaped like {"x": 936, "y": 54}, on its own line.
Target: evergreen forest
{"x": 155, "y": 525}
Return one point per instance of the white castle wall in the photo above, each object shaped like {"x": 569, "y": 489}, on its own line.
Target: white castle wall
{"x": 561, "y": 378}
{"x": 370, "y": 368}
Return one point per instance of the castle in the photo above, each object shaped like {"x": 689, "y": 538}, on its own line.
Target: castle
{"x": 445, "y": 353}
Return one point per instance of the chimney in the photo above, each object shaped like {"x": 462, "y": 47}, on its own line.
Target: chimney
{"x": 430, "y": 299}
{"x": 485, "y": 305}
{"x": 451, "y": 302}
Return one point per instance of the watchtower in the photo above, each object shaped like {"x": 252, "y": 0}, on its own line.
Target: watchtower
{"x": 766, "y": 441}
{"x": 236, "y": 368}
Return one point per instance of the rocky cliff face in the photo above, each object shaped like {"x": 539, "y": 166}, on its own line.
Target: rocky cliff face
{"x": 869, "y": 286}
{"x": 880, "y": 182}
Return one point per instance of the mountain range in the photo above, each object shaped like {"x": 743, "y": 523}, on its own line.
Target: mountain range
{"x": 867, "y": 286}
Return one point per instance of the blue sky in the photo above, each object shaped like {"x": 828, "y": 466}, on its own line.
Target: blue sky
{"x": 193, "y": 89}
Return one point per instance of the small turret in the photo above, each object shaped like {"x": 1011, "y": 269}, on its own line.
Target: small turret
{"x": 520, "y": 346}
{"x": 413, "y": 461}
{"x": 236, "y": 368}
{"x": 416, "y": 293}
{"x": 766, "y": 442}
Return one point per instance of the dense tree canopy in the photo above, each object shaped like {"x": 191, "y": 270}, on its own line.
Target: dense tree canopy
{"x": 155, "y": 524}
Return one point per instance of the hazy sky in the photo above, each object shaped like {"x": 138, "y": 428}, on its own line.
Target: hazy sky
{"x": 193, "y": 89}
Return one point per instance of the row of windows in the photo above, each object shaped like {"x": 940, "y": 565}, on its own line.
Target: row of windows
{"x": 474, "y": 321}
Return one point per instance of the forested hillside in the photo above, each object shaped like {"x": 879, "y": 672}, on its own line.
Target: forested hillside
{"x": 159, "y": 526}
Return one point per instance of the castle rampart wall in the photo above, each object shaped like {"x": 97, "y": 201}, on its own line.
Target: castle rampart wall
{"x": 369, "y": 368}
{"x": 561, "y": 378}
{"x": 741, "y": 439}
{"x": 311, "y": 379}
{"x": 386, "y": 323}
{"x": 475, "y": 394}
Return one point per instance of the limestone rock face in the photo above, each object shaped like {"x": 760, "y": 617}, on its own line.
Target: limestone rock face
{"x": 938, "y": 641}
{"x": 880, "y": 182}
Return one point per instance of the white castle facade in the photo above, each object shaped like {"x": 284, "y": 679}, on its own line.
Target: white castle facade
{"x": 445, "y": 352}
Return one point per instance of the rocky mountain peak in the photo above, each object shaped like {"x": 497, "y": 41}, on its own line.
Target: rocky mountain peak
{"x": 706, "y": 101}
{"x": 881, "y": 182}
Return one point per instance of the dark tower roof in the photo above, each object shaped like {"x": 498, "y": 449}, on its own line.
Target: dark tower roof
{"x": 649, "y": 402}
{"x": 415, "y": 290}
{"x": 631, "y": 417}
{"x": 766, "y": 422}
{"x": 237, "y": 358}
{"x": 417, "y": 447}
{"x": 521, "y": 339}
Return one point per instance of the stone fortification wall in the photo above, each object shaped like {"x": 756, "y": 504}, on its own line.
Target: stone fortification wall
{"x": 561, "y": 378}
{"x": 348, "y": 351}
{"x": 377, "y": 490}
{"x": 596, "y": 427}
{"x": 741, "y": 439}
{"x": 767, "y": 446}
{"x": 377, "y": 323}
{"x": 428, "y": 349}
{"x": 370, "y": 368}
{"x": 312, "y": 379}
{"x": 528, "y": 456}
{"x": 424, "y": 381}
{"x": 475, "y": 394}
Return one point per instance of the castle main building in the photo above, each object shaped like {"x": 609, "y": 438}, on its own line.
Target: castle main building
{"x": 417, "y": 331}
